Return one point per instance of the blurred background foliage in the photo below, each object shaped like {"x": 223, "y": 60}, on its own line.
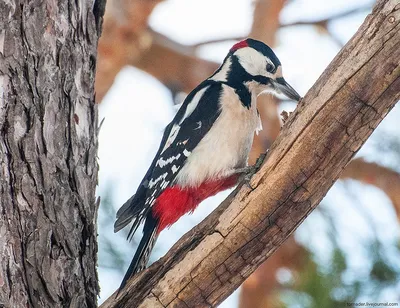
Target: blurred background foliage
{"x": 152, "y": 53}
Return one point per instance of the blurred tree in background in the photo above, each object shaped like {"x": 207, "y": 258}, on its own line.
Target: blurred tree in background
{"x": 342, "y": 253}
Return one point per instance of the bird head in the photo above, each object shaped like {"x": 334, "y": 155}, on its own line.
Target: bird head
{"x": 254, "y": 64}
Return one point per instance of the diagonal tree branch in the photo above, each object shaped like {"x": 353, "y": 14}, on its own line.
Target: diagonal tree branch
{"x": 329, "y": 126}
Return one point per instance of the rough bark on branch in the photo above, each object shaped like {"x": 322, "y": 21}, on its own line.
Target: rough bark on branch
{"x": 337, "y": 115}
{"x": 48, "y": 146}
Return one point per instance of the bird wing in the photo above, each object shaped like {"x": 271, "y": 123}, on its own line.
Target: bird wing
{"x": 192, "y": 122}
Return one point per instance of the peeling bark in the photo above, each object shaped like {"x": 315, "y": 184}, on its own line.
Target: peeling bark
{"x": 48, "y": 145}
{"x": 329, "y": 126}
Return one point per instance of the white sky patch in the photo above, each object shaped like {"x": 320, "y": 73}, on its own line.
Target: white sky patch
{"x": 161, "y": 162}
{"x": 193, "y": 104}
{"x": 198, "y": 23}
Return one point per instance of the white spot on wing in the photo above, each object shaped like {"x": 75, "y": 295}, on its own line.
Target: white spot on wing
{"x": 161, "y": 162}
{"x": 154, "y": 182}
{"x": 174, "y": 169}
{"x": 164, "y": 184}
{"x": 186, "y": 153}
{"x": 189, "y": 110}
{"x": 193, "y": 104}
{"x": 150, "y": 200}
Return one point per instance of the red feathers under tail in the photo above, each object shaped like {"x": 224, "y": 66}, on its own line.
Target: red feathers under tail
{"x": 170, "y": 206}
{"x": 175, "y": 201}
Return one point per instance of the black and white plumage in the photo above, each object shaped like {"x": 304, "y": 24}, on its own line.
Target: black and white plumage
{"x": 205, "y": 145}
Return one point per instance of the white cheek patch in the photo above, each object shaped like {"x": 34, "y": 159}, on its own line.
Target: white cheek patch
{"x": 252, "y": 61}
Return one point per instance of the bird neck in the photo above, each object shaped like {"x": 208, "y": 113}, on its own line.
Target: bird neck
{"x": 235, "y": 76}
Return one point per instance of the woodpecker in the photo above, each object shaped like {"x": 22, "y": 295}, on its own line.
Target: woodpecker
{"x": 205, "y": 148}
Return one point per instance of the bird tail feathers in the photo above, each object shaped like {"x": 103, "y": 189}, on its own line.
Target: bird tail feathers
{"x": 142, "y": 254}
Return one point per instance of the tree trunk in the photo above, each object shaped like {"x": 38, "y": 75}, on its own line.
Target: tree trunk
{"x": 48, "y": 144}
{"x": 329, "y": 126}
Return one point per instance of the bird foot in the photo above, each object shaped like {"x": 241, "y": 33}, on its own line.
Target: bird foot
{"x": 285, "y": 116}
{"x": 248, "y": 172}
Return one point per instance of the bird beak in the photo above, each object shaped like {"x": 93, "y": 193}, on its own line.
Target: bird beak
{"x": 286, "y": 89}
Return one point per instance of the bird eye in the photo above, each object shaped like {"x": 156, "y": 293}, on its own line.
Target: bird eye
{"x": 270, "y": 67}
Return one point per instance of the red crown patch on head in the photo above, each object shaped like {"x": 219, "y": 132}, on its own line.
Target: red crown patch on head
{"x": 239, "y": 45}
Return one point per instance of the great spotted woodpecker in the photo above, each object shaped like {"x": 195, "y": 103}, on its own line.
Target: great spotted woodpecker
{"x": 205, "y": 148}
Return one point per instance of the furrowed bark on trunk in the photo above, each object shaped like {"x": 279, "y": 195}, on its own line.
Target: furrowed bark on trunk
{"x": 329, "y": 126}
{"x": 48, "y": 145}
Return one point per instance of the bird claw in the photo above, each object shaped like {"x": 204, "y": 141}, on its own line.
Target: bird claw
{"x": 285, "y": 116}
{"x": 249, "y": 171}
{"x": 246, "y": 177}
{"x": 260, "y": 160}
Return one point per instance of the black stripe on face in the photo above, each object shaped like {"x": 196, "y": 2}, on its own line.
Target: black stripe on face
{"x": 262, "y": 79}
{"x": 237, "y": 77}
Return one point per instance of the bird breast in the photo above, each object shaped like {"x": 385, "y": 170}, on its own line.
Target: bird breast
{"x": 226, "y": 146}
